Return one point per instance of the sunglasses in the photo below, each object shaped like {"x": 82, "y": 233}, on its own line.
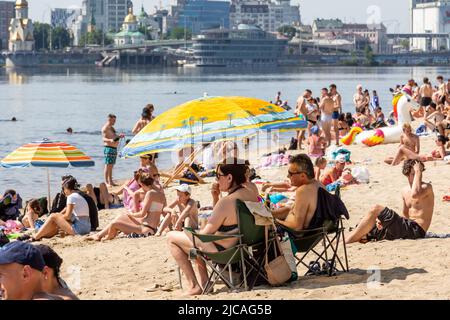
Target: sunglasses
{"x": 290, "y": 174}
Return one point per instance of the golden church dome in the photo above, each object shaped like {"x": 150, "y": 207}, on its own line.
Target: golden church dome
{"x": 21, "y": 4}
{"x": 130, "y": 18}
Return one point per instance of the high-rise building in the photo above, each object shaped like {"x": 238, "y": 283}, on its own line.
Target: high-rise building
{"x": 430, "y": 16}
{"x": 267, "y": 14}
{"x": 64, "y": 17}
{"x": 200, "y": 15}
{"x": 6, "y": 14}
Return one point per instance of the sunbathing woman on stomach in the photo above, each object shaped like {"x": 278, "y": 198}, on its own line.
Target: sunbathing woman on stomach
{"x": 230, "y": 177}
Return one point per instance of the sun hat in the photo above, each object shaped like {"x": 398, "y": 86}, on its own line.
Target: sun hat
{"x": 341, "y": 158}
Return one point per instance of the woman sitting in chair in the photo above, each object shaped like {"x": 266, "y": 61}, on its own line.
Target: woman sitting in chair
{"x": 231, "y": 175}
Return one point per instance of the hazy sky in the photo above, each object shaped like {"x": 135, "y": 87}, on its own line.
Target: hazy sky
{"x": 394, "y": 13}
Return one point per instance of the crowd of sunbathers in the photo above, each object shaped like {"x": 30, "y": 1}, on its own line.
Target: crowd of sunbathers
{"x": 149, "y": 214}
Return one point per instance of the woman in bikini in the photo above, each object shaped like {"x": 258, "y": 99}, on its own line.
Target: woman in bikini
{"x": 144, "y": 222}
{"x": 409, "y": 147}
{"x": 230, "y": 177}
{"x": 439, "y": 153}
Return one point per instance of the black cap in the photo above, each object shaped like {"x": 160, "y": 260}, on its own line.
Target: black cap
{"x": 51, "y": 258}
{"x": 22, "y": 253}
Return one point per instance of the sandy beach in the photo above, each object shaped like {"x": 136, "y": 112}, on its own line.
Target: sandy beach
{"x": 143, "y": 268}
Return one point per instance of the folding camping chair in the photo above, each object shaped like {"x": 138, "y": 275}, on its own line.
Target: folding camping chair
{"x": 178, "y": 173}
{"x": 324, "y": 243}
{"x": 248, "y": 254}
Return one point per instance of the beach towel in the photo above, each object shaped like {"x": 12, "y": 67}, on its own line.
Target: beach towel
{"x": 263, "y": 217}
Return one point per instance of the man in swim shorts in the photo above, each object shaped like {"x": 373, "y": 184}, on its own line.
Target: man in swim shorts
{"x": 382, "y": 223}
{"x": 337, "y": 110}
{"x": 111, "y": 142}
{"x": 326, "y": 107}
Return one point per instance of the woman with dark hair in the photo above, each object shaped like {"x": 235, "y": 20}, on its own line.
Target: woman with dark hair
{"x": 73, "y": 220}
{"x": 231, "y": 178}
{"x": 146, "y": 221}
{"x": 146, "y": 118}
{"x": 52, "y": 282}
{"x": 32, "y": 214}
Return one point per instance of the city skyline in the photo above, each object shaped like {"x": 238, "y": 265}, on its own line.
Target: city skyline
{"x": 394, "y": 14}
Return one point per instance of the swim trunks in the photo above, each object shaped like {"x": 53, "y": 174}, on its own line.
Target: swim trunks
{"x": 110, "y": 155}
{"x": 395, "y": 227}
{"x": 425, "y": 101}
{"x": 325, "y": 118}
{"x": 335, "y": 115}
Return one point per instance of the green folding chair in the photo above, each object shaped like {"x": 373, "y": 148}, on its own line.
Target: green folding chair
{"x": 247, "y": 255}
{"x": 324, "y": 243}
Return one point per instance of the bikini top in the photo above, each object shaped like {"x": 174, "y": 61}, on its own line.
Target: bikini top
{"x": 232, "y": 227}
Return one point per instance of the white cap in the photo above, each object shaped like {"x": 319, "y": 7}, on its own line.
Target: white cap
{"x": 359, "y": 86}
{"x": 183, "y": 188}
{"x": 341, "y": 158}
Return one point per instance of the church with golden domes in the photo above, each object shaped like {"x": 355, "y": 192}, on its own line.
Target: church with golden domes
{"x": 129, "y": 33}
{"x": 21, "y": 29}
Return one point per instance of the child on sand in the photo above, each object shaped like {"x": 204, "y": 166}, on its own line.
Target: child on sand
{"x": 316, "y": 143}
{"x": 183, "y": 212}
{"x": 321, "y": 164}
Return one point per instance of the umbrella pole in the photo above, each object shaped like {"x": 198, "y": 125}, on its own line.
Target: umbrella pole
{"x": 49, "y": 204}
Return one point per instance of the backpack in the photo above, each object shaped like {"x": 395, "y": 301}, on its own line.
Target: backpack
{"x": 93, "y": 211}
{"x": 59, "y": 203}
{"x": 293, "y": 145}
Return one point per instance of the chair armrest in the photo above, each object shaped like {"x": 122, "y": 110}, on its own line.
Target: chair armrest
{"x": 211, "y": 237}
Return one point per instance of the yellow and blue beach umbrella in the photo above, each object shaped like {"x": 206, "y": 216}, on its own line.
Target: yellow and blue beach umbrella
{"x": 210, "y": 119}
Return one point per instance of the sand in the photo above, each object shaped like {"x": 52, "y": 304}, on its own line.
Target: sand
{"x": 143, "y": 268}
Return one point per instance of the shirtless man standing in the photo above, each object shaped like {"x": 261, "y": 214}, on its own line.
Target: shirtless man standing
{"x": 382, "y": 223}
{"x": 326, "y": 107}
{"x": 301, "y": 174}
{"x": 337, "y": 110}
{"x": 442, "y": 95}
{"x": 111, "y": 142}
{"x": 358, "y": 98}
{"x": 302, "y": 110}
{"x": 426, "y": 94}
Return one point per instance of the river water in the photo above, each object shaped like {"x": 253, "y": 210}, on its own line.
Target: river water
{"x": 47, "y": 101}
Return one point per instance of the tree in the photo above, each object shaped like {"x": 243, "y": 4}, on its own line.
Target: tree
{"x": 405, "y": 44}
{"x": 178, "y": 33}
{"x": 95, "y": 38}
{"x": 145, "y": 31}
{"x": 41, "y": 35}
{"x": 287, "y": 31}
{"x": 368, "y": 54}
{"x": 60, "y": 38}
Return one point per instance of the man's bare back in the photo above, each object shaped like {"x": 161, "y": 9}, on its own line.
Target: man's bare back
{"x": 426, "y": 91}
{"x": 419, "y": 209}
{"x": 327, "y": 105}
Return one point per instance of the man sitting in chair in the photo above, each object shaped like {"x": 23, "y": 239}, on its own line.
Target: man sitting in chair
{"x": 313, "y": 204}
{"x": 382, "y": 223}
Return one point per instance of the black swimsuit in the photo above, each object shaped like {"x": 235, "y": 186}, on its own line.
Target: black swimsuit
{"x": 229, "y": 228}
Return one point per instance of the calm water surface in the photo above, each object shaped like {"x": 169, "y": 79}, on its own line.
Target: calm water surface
{"x": 47, "y": 101}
